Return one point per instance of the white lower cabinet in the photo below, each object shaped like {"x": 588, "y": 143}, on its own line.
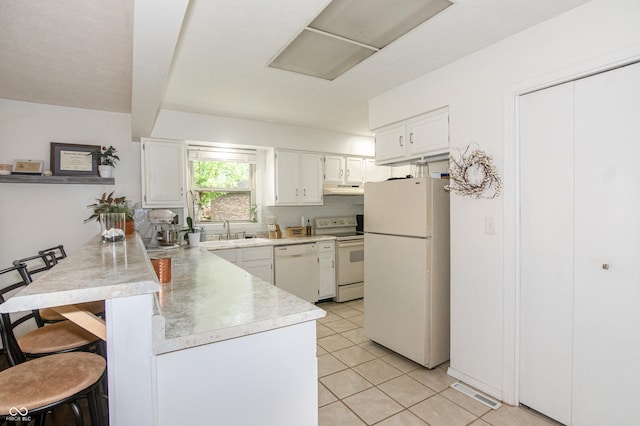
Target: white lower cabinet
{"x": 326, "y": 270}
{"x": 307, "y": 270}
{"x": 258, "y": 261}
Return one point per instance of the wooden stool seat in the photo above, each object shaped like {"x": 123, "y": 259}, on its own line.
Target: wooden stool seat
{"x": 44, "y": 382}
{"x": 58, "y": 337}
{"x": 96, "y": 308}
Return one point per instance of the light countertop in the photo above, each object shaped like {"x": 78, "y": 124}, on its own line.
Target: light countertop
{"x": 97, "y": 271}
{"x": 208, "y": 299}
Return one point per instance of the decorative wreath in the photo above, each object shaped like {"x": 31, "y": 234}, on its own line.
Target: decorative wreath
{"x": 473, "y": 174}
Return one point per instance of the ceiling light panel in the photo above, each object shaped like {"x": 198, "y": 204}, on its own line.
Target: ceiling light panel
{"x": 347, "y": 32}
{"x": 320, "y": 55}
{"x": 376, "y": 22}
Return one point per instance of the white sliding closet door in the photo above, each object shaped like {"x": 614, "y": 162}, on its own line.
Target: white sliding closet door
{"x": 606, "y": 361}
{"x": 546, "y": 196}
{"x": 580, "y": 249}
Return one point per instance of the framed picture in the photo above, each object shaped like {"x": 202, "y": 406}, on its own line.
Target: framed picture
{"x": 27, "y": 167}
{"x": 73, "y": 159}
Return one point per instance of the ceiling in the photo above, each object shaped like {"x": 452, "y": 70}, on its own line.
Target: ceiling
{"x": 212, "y": 56}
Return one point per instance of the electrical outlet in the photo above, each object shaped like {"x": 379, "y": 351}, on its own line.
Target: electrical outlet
{"x": 490, "y": 225}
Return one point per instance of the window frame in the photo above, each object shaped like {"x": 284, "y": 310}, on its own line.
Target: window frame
{"x": 229, "y": 154}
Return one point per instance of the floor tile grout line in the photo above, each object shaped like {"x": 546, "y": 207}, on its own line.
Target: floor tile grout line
{"x": 381, "y": 390}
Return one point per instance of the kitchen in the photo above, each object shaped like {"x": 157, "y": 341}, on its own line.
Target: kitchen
{"x": 591, "y": 37}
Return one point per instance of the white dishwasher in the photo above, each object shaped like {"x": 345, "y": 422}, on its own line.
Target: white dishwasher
{"x": 297, "y": 270}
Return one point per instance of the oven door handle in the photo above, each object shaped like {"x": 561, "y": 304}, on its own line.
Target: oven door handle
{"x": 354, "y": 244}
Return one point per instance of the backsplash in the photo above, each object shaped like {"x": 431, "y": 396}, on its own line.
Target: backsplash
{"x": 334, "y": 205}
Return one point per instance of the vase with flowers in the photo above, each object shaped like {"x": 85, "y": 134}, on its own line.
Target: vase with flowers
{"x": 106, "y": 159}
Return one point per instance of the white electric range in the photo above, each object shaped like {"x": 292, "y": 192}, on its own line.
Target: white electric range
{"x": 349, "y": 255}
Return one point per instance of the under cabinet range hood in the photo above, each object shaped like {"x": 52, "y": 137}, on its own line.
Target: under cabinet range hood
{"x": 335, "y": 189}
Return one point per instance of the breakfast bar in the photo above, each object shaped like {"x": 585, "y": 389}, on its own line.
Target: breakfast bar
{"x": 201, "y": 347}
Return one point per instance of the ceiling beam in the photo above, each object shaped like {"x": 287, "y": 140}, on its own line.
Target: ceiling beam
{"x": 156, "y": 29}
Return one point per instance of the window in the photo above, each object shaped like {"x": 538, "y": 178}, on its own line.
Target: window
{"x": 223, "y": 184}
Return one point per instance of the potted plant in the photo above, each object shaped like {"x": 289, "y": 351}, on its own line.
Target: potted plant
{"x": 106, "y": 159}
{"x": 109, "y": 204}
{"x": 192, "y": 234}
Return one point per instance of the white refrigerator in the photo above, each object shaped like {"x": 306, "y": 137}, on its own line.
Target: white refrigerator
{"x": 406, "y": 268}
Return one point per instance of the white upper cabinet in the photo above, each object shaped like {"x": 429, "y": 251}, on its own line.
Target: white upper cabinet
{"x": 390, "y": 143}
{"x": 424, "y": 136}
{"x": 163, "y": 173}
{"x": 343, "y": 170}
{"x": 334, "y": 169}
{"x": 429, "y": 135}
{"x": 286, "y": 177}
{"x": 297, "y": 179}
{"x": 311, "y": 178}
{"x": 355, "y": 171}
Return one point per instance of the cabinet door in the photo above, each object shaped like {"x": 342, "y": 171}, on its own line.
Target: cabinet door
{"x": 375, "y": 173}
{"x": 390, "y": 144}
{"x": 355, "y": 171}
{"x": 163, "y": 180}
{"x": 311, "y": 178}
{"x": 327, "y": 276}
{"x": 230, "y": 255}
{"x": 327, "y": 270}
{"x": 286, "y": 170}
{"x": 429, "y": 135}
{"x": 262, "y": 269}
{"x": 333, "y": 169}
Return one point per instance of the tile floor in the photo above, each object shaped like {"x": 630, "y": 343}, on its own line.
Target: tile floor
{"x": 363, "y": 383}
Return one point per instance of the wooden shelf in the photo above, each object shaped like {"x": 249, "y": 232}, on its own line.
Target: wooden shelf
{"x": 82, "y": 180}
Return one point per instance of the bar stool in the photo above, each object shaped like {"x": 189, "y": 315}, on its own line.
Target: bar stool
{"x": 43, "y": 261}
{"x": 32, "y": 388}
{"x": 35, "y": 387}
{"x": 63, "y": 336}
{"x": 61, "y": 254}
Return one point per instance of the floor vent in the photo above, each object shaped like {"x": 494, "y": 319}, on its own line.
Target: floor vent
{"x": 476, "y": 395}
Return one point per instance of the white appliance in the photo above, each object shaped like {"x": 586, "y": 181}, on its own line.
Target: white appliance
{"x": 349, "y": 255}
{"x": 406, "y": 276}
{"x": 296, "y": 270}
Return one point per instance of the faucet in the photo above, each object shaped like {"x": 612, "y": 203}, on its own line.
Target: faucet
{"x": 226, "y": 224}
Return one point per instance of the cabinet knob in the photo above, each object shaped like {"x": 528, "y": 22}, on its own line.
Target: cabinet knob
{"x": 605, "y": 266}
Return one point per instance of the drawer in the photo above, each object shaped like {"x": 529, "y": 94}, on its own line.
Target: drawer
{"x": 257, "y": 253}
{"x": 326, "y": 246}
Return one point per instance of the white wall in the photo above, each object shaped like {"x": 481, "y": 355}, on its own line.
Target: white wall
{"x": 474, "y": 88}
{"x": 38, "y": 216}
{"x": 197, "y": 127}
